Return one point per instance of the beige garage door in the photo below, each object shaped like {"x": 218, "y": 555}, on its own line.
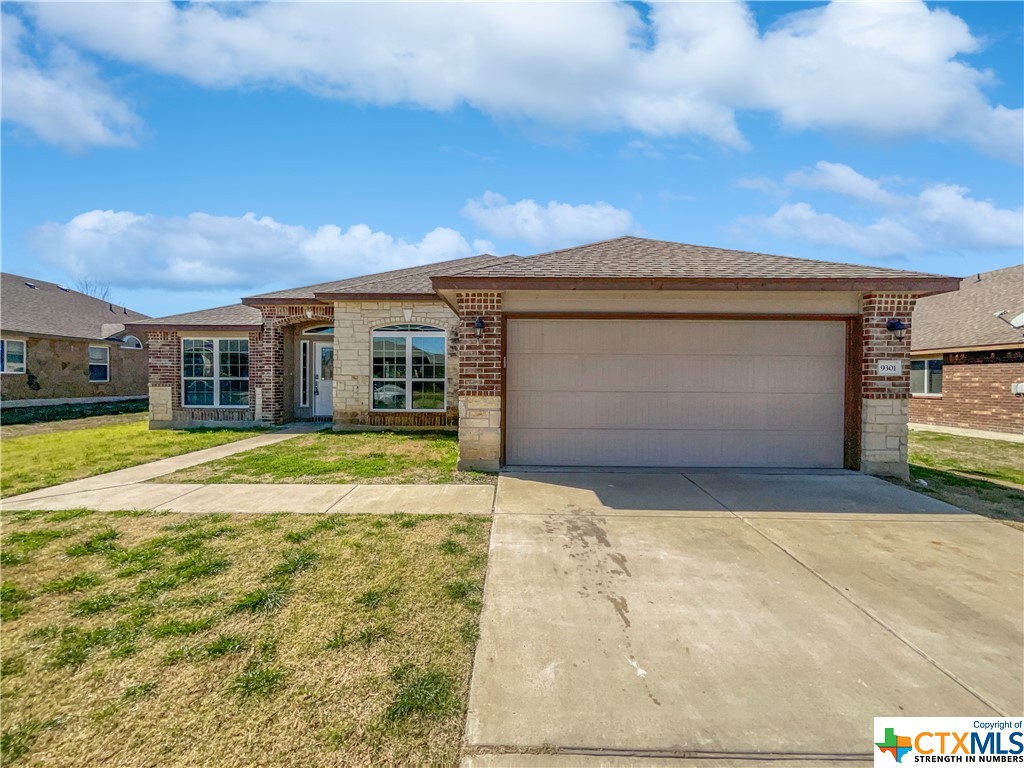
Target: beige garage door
{"x": 675, "y": 393}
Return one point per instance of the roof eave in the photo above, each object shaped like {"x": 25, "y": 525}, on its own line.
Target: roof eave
{"x": 326, "y": 297}
{"x": 919, "y": 285}
{"x": 258, "y": 301}
{"x": 967, "y": 347}
{"x": 147, "y": 327}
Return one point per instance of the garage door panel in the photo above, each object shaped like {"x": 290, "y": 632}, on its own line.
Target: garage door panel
{"x": 672, "y": 410}
{"x": 632, "y": 337}
{"x": 604, "y": 372}
{"x": 667, "y": 448}
{"x": 675, "y": 393}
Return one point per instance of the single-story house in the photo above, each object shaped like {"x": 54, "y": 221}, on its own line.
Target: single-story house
{"x": 60, "y": 346}
{"x": 967, "y": 355}
{"x": 628, "y": 352}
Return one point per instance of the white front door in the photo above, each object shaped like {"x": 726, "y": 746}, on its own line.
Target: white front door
{"x": 323, "y": 378}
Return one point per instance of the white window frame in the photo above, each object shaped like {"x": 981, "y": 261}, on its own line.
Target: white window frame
{"x": 216, "y": 378}
{"x": 106, "y": 352}
{"x": 927, "y": 378}
{"x": 126, "y": 345}
{"x": 440, "y": 333}
{"x": 19, "y": 368}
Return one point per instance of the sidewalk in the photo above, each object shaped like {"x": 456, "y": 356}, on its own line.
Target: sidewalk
{"x": 129, "y": 489}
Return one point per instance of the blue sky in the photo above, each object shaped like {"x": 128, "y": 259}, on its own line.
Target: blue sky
{"x": 188, "y": 155}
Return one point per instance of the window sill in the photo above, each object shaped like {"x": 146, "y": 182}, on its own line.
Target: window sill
{"x": 217, "y": 407}
{"x": 408, "y": 410}
{"x": 12, "y": 373}
{"x": 926, "y": 396}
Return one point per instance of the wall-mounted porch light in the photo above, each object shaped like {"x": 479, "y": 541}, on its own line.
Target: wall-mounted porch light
{"x": 896, "y": 328}
{"x": 479, "y": 325}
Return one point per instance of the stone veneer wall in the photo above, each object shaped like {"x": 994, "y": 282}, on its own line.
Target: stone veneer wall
{"x": 59, "y": 368}
{"x": 354, "y": 322}
{"x": 884, "y": 403}
{"x": 480, "y": 380}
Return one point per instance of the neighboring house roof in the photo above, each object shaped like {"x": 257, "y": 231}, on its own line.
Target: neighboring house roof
{"x": 967, "y": 318}
{"x": 36, "y": 307}
{"x": 232, "y": 317}
{"x": 397, "y": 283}
{"x": 634, "y": 262}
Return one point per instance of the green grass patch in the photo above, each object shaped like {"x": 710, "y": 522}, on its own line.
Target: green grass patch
{"x": 98, "y": 544}
{"x": 99, "y": 604}
{"x": 294, "y": 562}
{"x": 342, "y": 457}
{"x": 998, "y": 460}
{"x": 429, "y": 695}
{"x": 377, "y": 597}
{"x": 79, "y": 582}
{"x": 258, "y": 679}
{"x": 38, "y": 461}
{"x": 265, "y": 600}
{"x": 223, "y": 645}
{"x": 181, "y": 627}
{"x": 13, "y": 601}
{"x": 16, "y": 742}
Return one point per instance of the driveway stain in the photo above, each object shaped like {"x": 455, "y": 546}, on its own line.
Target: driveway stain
{"x": 620, "y": 560}
{"x": 621, "y": 608}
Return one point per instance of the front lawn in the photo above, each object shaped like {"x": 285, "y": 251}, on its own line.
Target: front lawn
{"x": 140, "y": 639}
{"x": 342, "y": 457}
{"x": 37, "y": 461}
{"x": 940, "y": 465}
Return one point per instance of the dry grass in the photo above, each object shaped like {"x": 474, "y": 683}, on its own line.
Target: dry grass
{"x": 342, "y": 457}
{"x": 170, "y": 639}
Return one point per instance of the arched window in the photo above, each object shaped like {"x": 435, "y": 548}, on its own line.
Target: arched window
{"x": 321, "y": 330}
{"x": 131, "y": 342}
{"x": 409, "y": 367}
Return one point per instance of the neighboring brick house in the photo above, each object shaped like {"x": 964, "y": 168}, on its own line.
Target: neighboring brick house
{"x": 628, "y": 352}
{"x": 968, "y": 352}
{"x": 61, "y": 346}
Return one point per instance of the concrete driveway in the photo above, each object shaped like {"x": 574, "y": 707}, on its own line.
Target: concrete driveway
{"x": 731, "y": 615}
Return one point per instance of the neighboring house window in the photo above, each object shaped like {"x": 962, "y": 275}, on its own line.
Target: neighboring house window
{"x": 408, "y": 369}
{"x": 12, "y": 356}
{"x": 99, "y": 364}
{"x": 215, "y": 372}
{"x": 926, "y": 376}
{"x": 130, "y": 342}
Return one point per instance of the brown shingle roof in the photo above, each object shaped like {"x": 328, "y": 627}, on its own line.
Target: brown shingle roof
{"x": 967, "y": 318}
{"x": 51, "y": 310}
{"x": 412, "y": 280}
{"x": 640, "y": 258}
{"x": 233, "y": 316}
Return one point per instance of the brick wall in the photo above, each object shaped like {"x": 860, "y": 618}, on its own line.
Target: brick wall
{"x": 884, "y": 398}
{"x": 975, "y": 393}
{"x": 480, "y": 392}
{"x": 479, "y": 356}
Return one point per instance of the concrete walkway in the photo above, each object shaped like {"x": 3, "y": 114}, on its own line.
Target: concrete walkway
{"x": 130, "y": 489}
{"x": 731, "y": 617}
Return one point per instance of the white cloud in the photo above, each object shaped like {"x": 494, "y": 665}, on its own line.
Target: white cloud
{"x": 939, "y": 217}
{"x": 871, "y": 69}
{"x": 551, "y": 226}
{"x": 881, "y": 238}
{"x": 63, "y": 102}
{"x": 842, "y": 179}
{"x": 206, "y": 252}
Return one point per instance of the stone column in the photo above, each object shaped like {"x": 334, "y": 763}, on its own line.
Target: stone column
{"x": 480, "y": 368}
{"x": 885, "y": 398}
